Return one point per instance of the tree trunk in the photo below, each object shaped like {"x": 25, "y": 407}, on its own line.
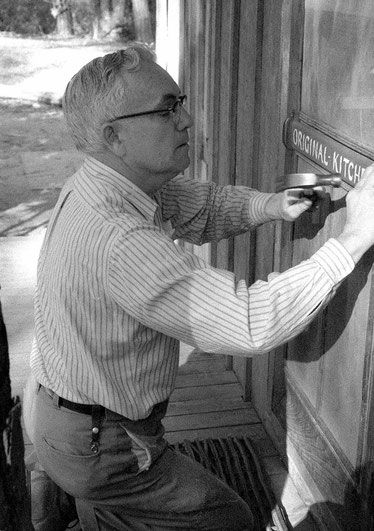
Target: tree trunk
{"x": 96, "y": 21}
{"x": 61, "y": 11}
{"x": 109, "y": 15}
{"x": 118, "y": 13}
{"x": 106, "y": 16}
{"x": 142, "y": 21}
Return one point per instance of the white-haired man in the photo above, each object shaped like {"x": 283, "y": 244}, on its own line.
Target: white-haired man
{"x": 115, "y": 296}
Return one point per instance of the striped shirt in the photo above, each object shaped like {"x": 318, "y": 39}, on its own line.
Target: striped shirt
{"x": 115, "y": 293}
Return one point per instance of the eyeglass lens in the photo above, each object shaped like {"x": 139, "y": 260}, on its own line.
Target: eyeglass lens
{"x": 177, "y": 107}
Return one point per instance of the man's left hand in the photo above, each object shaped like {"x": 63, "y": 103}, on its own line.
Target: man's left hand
{"x": 291, "y": 203}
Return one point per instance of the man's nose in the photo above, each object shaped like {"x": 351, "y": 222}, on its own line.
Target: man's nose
{"x": 185, "y": 120}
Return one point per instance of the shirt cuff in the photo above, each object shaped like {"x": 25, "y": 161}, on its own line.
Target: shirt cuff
{"x": 257, "y": 203}
{"x": 335, "y": 260}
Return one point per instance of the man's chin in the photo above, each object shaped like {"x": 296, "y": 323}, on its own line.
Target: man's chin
{"x": 186, "y": 162}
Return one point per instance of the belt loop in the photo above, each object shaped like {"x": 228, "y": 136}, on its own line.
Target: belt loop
{"x": 56, "y": 400}
{"x": 95, "y": 430}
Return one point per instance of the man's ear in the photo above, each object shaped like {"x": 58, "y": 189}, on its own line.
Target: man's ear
{"x": 111, "y": 139}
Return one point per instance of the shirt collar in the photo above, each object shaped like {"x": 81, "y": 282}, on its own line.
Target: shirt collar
{"x": 112, "y": 187}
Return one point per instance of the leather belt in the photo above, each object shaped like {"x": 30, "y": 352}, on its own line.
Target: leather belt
{"x": 86, "y": 409}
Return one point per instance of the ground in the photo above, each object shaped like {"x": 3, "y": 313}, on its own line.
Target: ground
{"x": 36, "y": 153}
{"x": 36, "y": 157}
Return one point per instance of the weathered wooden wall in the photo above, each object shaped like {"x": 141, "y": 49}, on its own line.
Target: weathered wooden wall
{"x": 241, "y": 63}
{"x": 218, "y": 72}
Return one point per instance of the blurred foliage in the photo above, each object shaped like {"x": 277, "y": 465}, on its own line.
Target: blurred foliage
{"x": 84, "y": 15}
{"x": 31, "y": 17}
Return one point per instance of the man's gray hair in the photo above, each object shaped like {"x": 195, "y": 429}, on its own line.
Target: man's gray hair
{"x": 94, "y": 95}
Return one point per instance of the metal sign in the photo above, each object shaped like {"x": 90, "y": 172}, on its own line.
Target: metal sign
{"x": 328, "y": 153}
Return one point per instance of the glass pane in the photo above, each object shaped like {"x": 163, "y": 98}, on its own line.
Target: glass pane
{"x": 338, "y": 66}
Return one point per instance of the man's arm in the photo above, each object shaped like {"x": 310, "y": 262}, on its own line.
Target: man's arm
{"x": 177, "y": 294}
{"x": 357, "y": 234}
{"x": 202, "y": 211}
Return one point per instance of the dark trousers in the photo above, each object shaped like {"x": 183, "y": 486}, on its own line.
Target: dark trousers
{"x": 130, "y": 482}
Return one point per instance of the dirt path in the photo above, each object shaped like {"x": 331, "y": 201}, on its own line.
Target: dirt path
{"x": 36, "y": 153}
{"x": 36, "y": 157}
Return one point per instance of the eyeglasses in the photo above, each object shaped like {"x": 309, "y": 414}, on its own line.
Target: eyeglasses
{"x": 174, "y": 110}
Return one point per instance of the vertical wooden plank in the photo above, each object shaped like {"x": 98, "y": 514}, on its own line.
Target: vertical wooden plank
{"x": 204, "y": 104}
{"x": 214, "y": 99}
{"x": 226, "y": 120}
{"x": 278, "y": 69}
{"x": 207, "y": 104}
{"x": 193, "y": 81}
{"x": 245, "y": 121}
{"x": 197, "y": 23}
{"x": 244, "y": 256}
{"x": 292, "y": 43}
{"x": 214, "y": 91}
{"x": 292, "y": 22}
{"x": 185, "y": 79}
{"x": 169, "y": 33}
{"x": 182, "y": 43}
{"x": 365, "y": 460}
{"x": 161, "y": 34}
{"x": 174, "y": 41}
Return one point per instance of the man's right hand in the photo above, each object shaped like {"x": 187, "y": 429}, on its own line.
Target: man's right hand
{"x": 358, "y": 233}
